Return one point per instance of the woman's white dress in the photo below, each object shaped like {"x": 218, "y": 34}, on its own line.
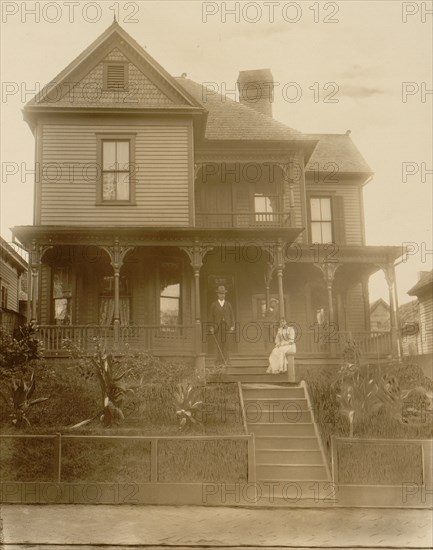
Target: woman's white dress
{"x": 284, "y": 343}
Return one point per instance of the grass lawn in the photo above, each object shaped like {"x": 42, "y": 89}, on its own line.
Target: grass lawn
{"x": 386, "y": 464}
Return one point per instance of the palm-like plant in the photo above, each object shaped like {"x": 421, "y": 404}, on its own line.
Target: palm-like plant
{"x": 113, "y": 389}
{"x": 362, "y": 392}
{"x": 21, "y": 393}
{"x": 188, "y": 405}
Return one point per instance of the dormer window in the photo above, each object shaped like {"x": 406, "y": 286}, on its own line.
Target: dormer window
{"x": 115, "y": 76}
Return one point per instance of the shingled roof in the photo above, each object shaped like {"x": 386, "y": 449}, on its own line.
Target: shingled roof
{"x": 338, "y": 148}
{"x": 230, "y": 120}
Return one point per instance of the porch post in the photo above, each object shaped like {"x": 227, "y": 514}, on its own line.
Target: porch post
{"x": 288, "y": 190}
{"x": 196, "y": 253}
{"x": 34, "y": 266}
{"x": 328, "y": 270}
{"x": 389, "y": 273}
{"x": 366, "y": 298}
{"x": 117, "y": 255}
{"x": 280, "y": 267}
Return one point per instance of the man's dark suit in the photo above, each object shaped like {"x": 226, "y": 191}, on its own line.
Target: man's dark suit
{"x": 222, "y": 319}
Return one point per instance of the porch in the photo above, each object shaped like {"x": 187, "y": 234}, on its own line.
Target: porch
{"x": 147, "y": 289}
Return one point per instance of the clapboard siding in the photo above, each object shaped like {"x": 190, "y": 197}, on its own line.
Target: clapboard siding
{"x": 9, "y": 279}
{"x": 426, "y": 319}
{"x": 353, "y": 221}
{"x": 163, "y": 176}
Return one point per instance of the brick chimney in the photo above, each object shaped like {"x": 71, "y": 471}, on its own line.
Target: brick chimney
{"x": 256, "y": 90}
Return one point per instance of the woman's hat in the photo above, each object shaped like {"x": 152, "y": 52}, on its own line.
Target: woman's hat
{"x": 221, "y": 290}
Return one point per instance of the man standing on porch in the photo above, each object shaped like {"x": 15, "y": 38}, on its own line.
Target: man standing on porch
{"x": 223, "y": 322}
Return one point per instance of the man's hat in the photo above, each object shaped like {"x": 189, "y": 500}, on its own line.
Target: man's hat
{"x": 221, "y": 290}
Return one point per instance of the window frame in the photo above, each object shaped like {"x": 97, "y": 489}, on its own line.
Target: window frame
{"x": 70, "y": 299}
{"x": 181, "y": 299}
{"x": 330, "y": 197}
{"x": 125, "y": 86}
{"x": 116, "y": 137}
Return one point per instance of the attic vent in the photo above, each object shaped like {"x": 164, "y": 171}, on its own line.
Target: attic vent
{"x": 115, "y": 76}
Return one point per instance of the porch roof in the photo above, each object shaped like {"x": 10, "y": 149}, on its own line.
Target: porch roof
{"x": 151, "y": 236}
{"x": 186, "y": 236}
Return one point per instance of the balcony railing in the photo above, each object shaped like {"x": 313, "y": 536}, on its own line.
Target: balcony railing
{"x": 242, "y": 219}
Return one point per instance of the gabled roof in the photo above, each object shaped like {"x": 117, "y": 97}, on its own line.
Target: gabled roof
{"x": 230, "y": 120}
{"x": 338, "y": 148}
{"x": 114, "y": 37}
{"x": 221, "y": 118}
{"x": 9, "y": 255}
{"x": 424, "y": 284}
{"x": 377, "y": 303}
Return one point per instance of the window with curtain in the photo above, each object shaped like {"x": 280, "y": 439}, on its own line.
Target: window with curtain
{"x": 106, "y": 302}
{"x": 116, "y": 167}
{"x": 321, "y": 219}
{"x": 170, "y": 276}
{"x": 62, "y": 295}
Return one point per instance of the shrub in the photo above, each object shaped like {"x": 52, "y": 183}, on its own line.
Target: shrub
{"x": 19, "y": 349}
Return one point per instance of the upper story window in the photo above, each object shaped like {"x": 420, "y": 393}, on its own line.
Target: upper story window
{"x": 116, "y": 155}
{"x": 321, "y": 219}
{"x": 115, "y": 76}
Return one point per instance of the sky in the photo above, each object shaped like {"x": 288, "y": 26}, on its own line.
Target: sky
{"x": 375, "y": 55}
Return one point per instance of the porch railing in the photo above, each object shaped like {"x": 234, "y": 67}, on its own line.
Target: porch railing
{"x": 168, "y": 339}
{"x": 243, "y": 219}
{"x": 370, "y": 344}
{"x": 181, "y": 339}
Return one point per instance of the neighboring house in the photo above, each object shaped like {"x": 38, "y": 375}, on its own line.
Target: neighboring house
{"x": 410, "y": 326}
{"x": 423, "y": 290}
{"x": 379, "y": 316}
{"x": 13, "y": 277}
{"x": 155, "y": 191}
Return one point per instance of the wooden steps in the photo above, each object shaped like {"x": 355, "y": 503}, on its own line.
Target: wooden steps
{"x": 291, "y": 468}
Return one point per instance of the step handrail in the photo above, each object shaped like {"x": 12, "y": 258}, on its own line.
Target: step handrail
{"x": 316, "y": 430}
{"x": 241, "y": 401}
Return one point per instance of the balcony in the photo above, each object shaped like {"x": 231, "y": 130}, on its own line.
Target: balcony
{"x": 243, "y": 219}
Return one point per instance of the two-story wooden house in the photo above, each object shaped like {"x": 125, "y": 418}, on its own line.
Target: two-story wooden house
{"x": 13, "y": 283}
{"x": 153, "y": 190}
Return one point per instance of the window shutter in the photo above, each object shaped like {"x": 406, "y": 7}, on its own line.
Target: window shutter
{"x": 115, "y": 77}
{"x": 338, "y": 222}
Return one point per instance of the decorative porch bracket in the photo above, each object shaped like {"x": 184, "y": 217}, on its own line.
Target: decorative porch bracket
{"x": 196, "y": 254}
{"x": 389, "y": 272}
{"x": 117, "y": 253}
{"x": 329, "y": 270}
{"x": 36, "y": 254}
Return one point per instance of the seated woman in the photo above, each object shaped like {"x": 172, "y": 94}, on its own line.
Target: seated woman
{"x": 284, "y": 346}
